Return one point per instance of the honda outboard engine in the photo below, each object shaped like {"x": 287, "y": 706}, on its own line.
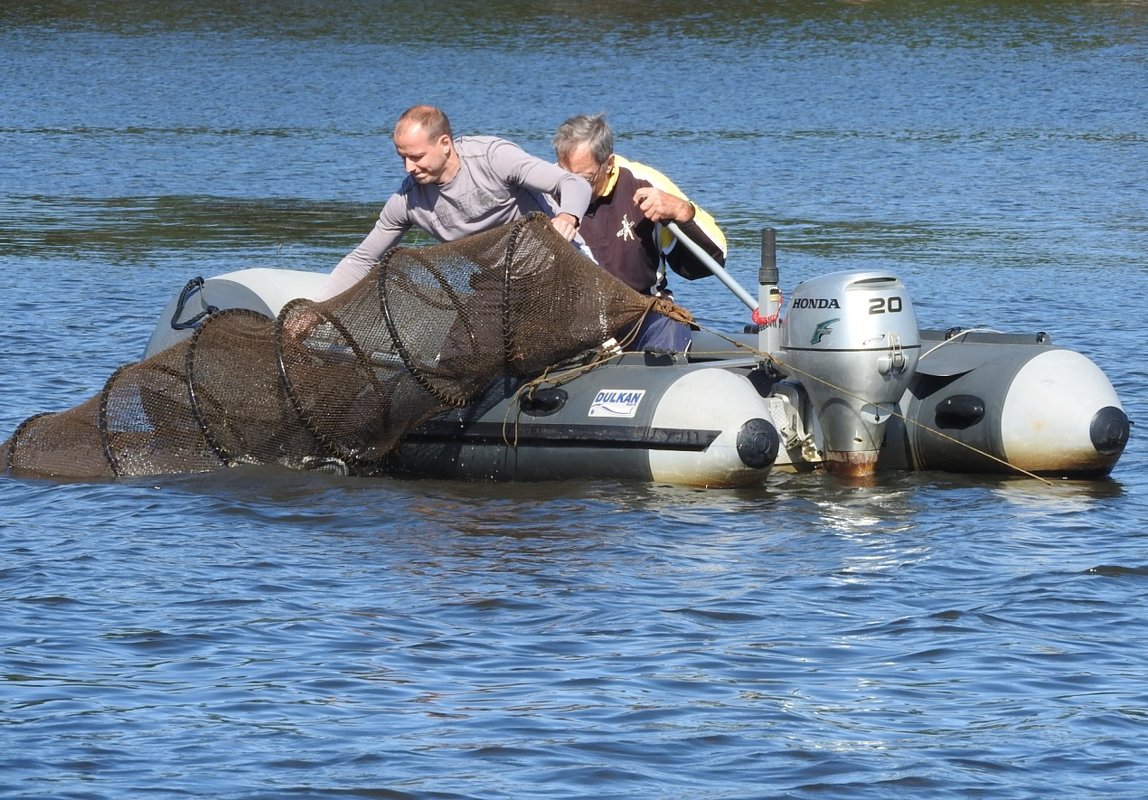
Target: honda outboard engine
{"x": 851, "y": 340}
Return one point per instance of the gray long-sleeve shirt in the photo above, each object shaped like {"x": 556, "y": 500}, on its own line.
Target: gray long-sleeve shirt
{"x": 497, "y": 182}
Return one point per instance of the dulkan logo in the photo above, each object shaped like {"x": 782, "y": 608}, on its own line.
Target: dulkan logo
{"x": 822, "y": 330}
{"x": 616, "y": 402}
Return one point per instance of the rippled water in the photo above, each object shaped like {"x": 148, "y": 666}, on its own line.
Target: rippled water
{"x": 266, "y": 634}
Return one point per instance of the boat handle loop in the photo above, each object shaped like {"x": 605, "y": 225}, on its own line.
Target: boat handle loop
{"x": 194, "y": 285}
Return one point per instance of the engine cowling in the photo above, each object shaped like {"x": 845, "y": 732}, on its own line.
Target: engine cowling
{"x": 851, "y": 340}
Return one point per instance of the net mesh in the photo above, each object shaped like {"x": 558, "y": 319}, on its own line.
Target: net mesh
{"x": 426, "y": 331}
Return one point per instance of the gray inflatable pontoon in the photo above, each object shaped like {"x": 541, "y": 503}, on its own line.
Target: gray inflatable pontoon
{"x": 845, "y": 381}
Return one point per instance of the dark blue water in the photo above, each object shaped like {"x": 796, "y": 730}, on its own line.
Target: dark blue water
{"x": 265, "y": 634}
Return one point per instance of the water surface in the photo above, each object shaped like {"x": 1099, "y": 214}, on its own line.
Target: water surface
{"x": 264, "y": 634}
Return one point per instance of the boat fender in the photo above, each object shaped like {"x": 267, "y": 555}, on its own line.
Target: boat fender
{"x": 757, "y": 443}
{"x": 1109, "y": 430}
{"x": 960, "y": 411}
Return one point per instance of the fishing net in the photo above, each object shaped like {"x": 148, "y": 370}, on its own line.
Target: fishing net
{"x": 343, "y": 379}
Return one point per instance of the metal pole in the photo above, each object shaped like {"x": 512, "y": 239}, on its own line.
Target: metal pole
{"x": 713, "y": 266}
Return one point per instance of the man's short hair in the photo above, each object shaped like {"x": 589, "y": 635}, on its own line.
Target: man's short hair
{"x": 590, "y": 129}
{"x": 429, "y": 118}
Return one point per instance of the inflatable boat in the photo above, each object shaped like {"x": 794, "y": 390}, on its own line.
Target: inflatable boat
{"x": 844, "y": 381}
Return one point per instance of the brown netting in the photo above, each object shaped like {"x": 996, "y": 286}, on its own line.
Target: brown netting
{"x": 427, "y": 330}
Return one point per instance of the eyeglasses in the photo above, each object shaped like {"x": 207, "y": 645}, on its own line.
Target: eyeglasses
{"x": 595, "y": 176}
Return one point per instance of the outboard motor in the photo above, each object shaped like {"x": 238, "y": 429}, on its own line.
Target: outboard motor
{"x": 851, "y": 340}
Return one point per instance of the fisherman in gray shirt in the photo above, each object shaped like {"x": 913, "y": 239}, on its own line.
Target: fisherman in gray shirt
{"x": 456, "y": 187}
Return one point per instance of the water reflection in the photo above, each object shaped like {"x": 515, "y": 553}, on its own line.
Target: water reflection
{"x": 131, "y": 227}
{"x": 922, "y": 24}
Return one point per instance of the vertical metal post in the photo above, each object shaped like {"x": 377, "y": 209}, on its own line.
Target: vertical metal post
{"x": 769, "y": 295}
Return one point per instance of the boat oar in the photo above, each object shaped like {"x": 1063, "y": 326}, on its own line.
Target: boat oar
{"x": 768, "y": 340}
{"x": 714, "y": 267}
